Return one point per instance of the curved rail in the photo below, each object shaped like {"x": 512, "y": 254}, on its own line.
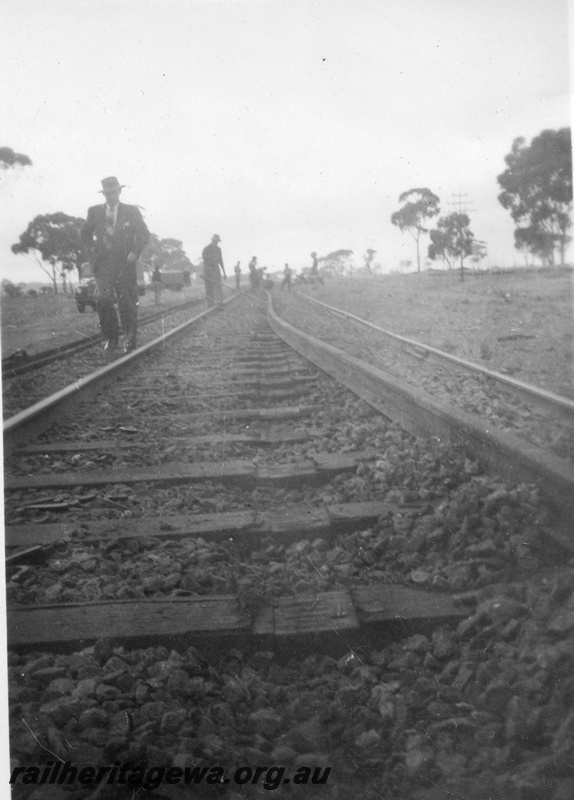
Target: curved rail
{"x": 420, "y": 413}
{"x": 560, "y": 407}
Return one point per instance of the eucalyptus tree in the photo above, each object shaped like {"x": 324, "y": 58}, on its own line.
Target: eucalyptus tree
{"x": 337, "y": 263}
{"x": 166, "y": 254}
{"x": 451, "y": 240}
{"x": 55, "y": 242}
{"x": 420, "y": 205}
{"x": 9, "y": 159}
{"x": 537, "y": 190}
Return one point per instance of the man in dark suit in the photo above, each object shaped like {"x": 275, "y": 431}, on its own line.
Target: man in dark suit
{"x": 114, "y": 236}
{"x": 212, "y": 269}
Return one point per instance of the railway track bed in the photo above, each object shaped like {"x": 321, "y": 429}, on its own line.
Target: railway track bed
{"x": 27, "y": 379}
{"x": 227, "y": 558}
{"x": 21, "y": 362}
{"x": 539, "y": 417}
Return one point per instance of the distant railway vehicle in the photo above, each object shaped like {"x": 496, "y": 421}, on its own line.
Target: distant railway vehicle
{"x": 84, "y": 294}
{"x": 176, "y": 280}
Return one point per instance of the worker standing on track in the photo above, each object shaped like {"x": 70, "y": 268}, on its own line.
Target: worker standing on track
{"x": 288, "y": 273}
{"x": 212, "y": 270}
{"x": 237, "y": 270}
{"x": 265, "y": 280}
{"x": 315, "y": 275}
{"x": 253, "y": 274}
{"x": 114, "y": 236}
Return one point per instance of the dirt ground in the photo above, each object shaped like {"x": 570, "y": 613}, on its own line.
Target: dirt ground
{"x": 519, "y": 323}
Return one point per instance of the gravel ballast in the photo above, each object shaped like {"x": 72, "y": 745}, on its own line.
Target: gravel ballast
{"x": 474, "y": 709}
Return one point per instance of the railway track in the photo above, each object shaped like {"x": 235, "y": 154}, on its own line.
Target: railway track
{"x": 556, "y": 405}
{"x": 541, "y": 417}
{"x": 21, "y": 363}
{"x": 233, "y": 523}
{"x": 32, "y": 378}
{"x": 442, "y": 402}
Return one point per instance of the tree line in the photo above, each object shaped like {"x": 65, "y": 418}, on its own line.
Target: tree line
{"x": 536, "y": 190}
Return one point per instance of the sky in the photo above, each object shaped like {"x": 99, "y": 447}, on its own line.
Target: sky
{"x": 285, "y": 126}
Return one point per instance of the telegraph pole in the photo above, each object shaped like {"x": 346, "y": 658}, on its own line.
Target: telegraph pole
{"x": 462, "y": 207}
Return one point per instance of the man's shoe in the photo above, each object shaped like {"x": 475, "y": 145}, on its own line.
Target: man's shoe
{"x": 110, "y": 345}
{"x": 129, "y": 346}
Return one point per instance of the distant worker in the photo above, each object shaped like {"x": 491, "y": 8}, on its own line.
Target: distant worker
{"x": 114, "y": 236}
{"x": 287, "y": 280}
{"x": 315, "y": 275}
{"x": 254, "y": 278}
{"x": 212, "y": 270}
{"x": 265, "y": 280}
{"x": 157, "y": 284}
{"x": 237, "y": 270}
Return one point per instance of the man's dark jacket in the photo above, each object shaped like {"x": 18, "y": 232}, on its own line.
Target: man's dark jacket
{"x": 130, "y": 236}
{"x": 212, "y": 256}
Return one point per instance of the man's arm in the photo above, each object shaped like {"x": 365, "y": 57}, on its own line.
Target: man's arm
{"x": 141, "y": 236}
{"x": 221, "y": 262}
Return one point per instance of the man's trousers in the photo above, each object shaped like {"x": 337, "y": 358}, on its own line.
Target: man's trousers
{"x": 113, "y": 283}
{"x": 213, "y": 286}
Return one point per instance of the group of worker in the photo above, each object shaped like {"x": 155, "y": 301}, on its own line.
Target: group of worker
{"x": 259, "y": 279}
{"x": 114, "y": 236}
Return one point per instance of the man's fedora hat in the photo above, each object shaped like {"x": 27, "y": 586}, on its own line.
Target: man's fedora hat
{"x": 110, "y": 185}
{"x": 216, "y": 238}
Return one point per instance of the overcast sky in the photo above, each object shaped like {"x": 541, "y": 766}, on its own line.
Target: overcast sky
{"x": 284, "y": 126}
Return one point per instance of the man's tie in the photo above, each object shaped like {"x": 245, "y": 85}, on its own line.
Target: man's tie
{"x": 110, "y": 221}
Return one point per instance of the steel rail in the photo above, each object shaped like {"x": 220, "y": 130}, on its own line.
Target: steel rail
{"x": 12, "y": 367}
{"x": 561, "y": 407}
{"x": 336, "y": 617}
{"x": 421, "y": 414}
{"x": 30, "y": 423}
